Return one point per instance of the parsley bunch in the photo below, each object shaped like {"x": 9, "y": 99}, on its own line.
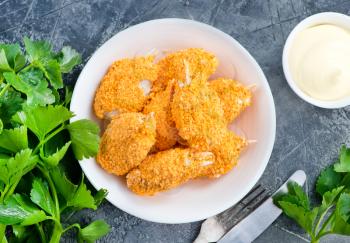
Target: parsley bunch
{"x": 333, "y": 215}
{"x": 36, "y": 141}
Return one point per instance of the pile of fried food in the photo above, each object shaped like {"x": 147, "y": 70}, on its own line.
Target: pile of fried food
{"x": 167, "y": 123}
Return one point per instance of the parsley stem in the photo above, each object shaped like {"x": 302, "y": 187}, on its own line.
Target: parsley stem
{"x": 2, "y": 92}
{"x": 51, "y": 135}
{"x": 12, "y": 189}
{"x": 53, "y": 219}
{"x": 320, "y": 220}
{"x": 29, "y": 66}
{"x": 41, "y": 232}
{"x": 2, "y": 233}
{"x": 71, "y": 226}
{"x": 56, "y": 233}
{"x": 53, "y": 191}
{"x": 2, "y": 197}
{"x": 324, "y": 226}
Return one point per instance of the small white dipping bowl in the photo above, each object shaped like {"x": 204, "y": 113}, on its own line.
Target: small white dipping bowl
{"x": 198, "y": 199}
{"x": 338, "y": 19}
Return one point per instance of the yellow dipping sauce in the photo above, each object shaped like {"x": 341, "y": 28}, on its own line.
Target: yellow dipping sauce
{"x": 319, "y": 61}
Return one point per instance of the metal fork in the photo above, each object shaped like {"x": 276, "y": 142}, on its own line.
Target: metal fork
{"x": 215, "y": 227}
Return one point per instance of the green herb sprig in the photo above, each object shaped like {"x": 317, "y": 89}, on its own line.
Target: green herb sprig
{"x": 35, "y": 140}
{"x": 333, "y": 215}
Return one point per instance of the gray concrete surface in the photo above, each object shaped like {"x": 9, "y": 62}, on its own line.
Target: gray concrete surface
{"x": 307, "y": 138}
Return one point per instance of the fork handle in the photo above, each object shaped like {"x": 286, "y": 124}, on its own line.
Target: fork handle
{"x": 211, "y": 231}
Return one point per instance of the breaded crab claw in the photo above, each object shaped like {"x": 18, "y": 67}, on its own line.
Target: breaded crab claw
{"x": 167, "y": 133}
{"x": 198, "y": 113}
{"x": 227, "y": 153}
{"x": 167, "y": 169}
{"x": 126, "y": 86}
{"x": 126, "y": 142}
{"x": 173, "y": 66}
{"x": 233, "y": 95}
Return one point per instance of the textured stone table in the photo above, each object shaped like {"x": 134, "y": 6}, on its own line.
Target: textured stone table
{"x": 307, "y": 138}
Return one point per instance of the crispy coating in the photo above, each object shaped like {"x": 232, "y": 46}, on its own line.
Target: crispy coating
{"x": 198, "y": 114}
{"x": 122, "y": 88}
{"x": 227, "y": 152}
{"x": 173, "y": 66}
{"x": 181, "y": 133}
{"x": 167, "y": 169}
{"x": 126, "y": 142}
{"x": 233, "y": 95}
{"x": 167, "y": 133}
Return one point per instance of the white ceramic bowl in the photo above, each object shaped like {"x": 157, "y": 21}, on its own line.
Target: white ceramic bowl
{"x": 317, "y": 19}
{"x": 197, "y": 199}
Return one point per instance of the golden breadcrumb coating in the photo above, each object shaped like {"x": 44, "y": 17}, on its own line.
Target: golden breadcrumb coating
{"x": 181, "y": 133}
{"x": 126, "y": 142}
{"x": 173, "y": 66}
{"x": 167, "y": 133}
{"x": 198, "y": 114}
{"x": 167, "y": 169}
{"x": 233, "y": 95}
{"x": 227, "y": 153}
{"x": 122, "y": 88}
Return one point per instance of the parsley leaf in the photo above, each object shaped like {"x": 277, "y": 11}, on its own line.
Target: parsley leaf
{"x": 82, "y": 198}
{"x": 343, "y": 164}
{"x": 55, "y": 158}
{"x": 296, "y": 205}
{"x": 4, "y": 65}
{"x": 343, "y": 206}
{"x": 94, "y": 231}
{"x": 10, "y": 102}
{"x": 295, "y": 195}
{"x": 328, "y": 180}
{"x": 21, "y": 233}
{"x": 14, "y": 56}
{"x": 341, "y": 216}
{"x": 19, "y": 210}
{"x": 85, "y": 138}
{"x": 75, "y": 196}
{"x": 38, "y": 50}
{"x": 333, "y": 185}
{"x": 68, "y": 58}
{"x": 52, "y": 72}
{"x": 41, "y": 55}
{"x": 63, "y": 185}
{"x": 329, "y": 198}
{"x": 20, "y": 62}
{"x": 12, "y": 169}
{"x": 31, "y": 84}
{"x": 68, "y": 95}
{"x": 15, "y": 139}
{"x": 99, "y": 196}
{"x": 40, "y": 195}
{"x": 42, "y": 120}
{"x": 302, "y": 216}
{"x": 339, "y": 226}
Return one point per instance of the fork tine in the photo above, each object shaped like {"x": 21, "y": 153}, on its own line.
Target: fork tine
{"x": 252, "y": 200}
{"x": 253, "y": 194}
{"x": 241, "y": 204}
{"x": 257, "y": 187}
